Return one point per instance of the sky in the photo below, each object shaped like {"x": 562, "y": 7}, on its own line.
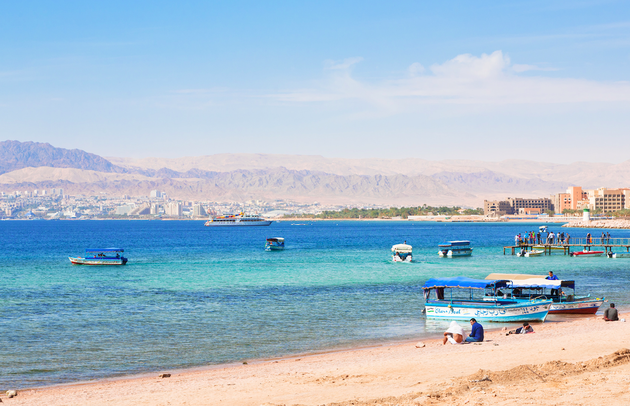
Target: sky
{"x": 537, "y": 80}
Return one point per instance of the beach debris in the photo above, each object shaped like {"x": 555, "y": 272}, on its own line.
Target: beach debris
{"x": 164, "y": 375}
{"x": 11, "y": 393}
{"x": 244, "y": 362}
{"x": 484, "y": 379}
{"x": 420, "y": 345}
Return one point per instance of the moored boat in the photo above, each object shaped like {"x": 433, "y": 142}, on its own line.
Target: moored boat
{"x": 618, "y": 254}
{"x": 100, "y": 256}
{"x": 402, "y": 252}
{"x": 455, "y": 249}
{"x": 533, "y": 253}
{"x": 462, "y": 298}
{"x": 587, "y": 253}
{"x": 274, "y": 244}
{"x": 561, "y": 292}
{"x": 240, "y": 219}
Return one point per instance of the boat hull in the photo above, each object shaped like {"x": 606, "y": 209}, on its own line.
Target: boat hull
{"x": 488, "y": 312}
{"x": 620, "y": 255}
{"x": 97, "y": 261}
{"x": 396, "y": 258}
{"x": 273, "y": 248}
{"x": 587, "y": 254}
{"x": 238, "y": 223}
{"x": 454, "y": 254}
{"x": 580, "y": 307}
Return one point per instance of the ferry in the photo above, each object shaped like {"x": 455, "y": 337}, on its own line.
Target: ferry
{"x": 402, "y": 252}
{"x": 561, "y": 292}
{"x": 237, "y": 220}
{"x": 100, "y": 256}
{"x": 274, "y": 244}
{"x": 462, "y": 298}
{"x": 455, "y": 249}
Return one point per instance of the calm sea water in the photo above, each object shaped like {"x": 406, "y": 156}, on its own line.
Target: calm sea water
{"x": 193, "y": 295}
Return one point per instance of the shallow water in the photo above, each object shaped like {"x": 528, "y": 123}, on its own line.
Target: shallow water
{"x": 193, "y": 295}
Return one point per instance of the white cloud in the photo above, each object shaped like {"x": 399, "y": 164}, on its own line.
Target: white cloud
{"x": 415, "y": 69}
{"x": 345, "y": 64}
{"x": 465, "y": 79}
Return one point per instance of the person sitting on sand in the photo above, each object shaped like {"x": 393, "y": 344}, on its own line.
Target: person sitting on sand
{"x": 454, "y": 334}
{"x": 526, "y": 329}
{"x": 611, "y": 314}
{"x": 476, "y": 335}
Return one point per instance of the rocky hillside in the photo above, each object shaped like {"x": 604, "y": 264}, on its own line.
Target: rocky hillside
{"x": 238, "y": 177}
{"x": 17, "y": 155}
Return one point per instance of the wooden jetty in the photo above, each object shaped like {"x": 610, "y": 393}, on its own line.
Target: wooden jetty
{"x": 585, "y": 244}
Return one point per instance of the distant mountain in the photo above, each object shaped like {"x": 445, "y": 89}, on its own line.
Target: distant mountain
{"x": 301, "y": 178}
{"x": 17, "y": 155}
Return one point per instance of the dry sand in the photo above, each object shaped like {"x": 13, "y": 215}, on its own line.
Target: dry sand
{"x": 582, "y": 362}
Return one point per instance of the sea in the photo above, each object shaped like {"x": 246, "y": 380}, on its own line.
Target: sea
{"x": 194, "y": 296}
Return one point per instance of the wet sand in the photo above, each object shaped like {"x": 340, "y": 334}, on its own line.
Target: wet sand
{"x": 581, "y": 362}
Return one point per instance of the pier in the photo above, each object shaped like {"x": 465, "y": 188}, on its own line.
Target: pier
{"x": 607, "y": 244}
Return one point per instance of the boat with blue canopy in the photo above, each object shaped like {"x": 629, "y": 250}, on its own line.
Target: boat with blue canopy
{"x": 462, "y": 298}
{"x": 561, "y": 292}
{"x": 274, "y": 244}
{"x": 100, "y": 256}
{"x": 455, "y": 249}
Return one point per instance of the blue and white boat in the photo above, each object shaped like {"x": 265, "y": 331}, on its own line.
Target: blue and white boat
{"x": 274, "y": 244}
{"x": 561, "y": 292}
{"x": 100, "y": 256}
{"x": 402, "y": 252}
{"x": 462, "y": 298}
{"x": 455, "y": 249}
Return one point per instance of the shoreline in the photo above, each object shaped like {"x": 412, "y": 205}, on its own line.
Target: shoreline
{"x": 362, "y": 374}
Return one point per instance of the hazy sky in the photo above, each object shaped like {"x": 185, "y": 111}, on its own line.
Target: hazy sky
{"x": 540, "y": 80}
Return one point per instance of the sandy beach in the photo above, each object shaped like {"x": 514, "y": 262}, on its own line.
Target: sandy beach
{"x": 581, "y": 362}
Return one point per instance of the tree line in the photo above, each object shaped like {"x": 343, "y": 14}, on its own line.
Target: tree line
{"x": 402, "y": 212}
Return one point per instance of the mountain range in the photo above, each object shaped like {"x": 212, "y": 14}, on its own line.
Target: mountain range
{"x": 300, "y": 178}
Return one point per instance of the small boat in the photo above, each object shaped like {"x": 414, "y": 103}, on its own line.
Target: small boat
{"x": 274, "y": 244}
{"x": 618, "y": 254}
{"x": 402, "y": 253}
{"x": 533, "y": 253}
{"x": 240, "y": 219}
{"x": 550, "y": 248}
{"x": 587, "y": 253}
{"x": 455, "y": 249}
{"x": 100, "y": 256}
{"x": 481, "y": 299}
{"x": 561, "y": 292}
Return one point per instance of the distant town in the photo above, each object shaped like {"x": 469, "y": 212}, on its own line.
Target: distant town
{"x": 54, "y": 204}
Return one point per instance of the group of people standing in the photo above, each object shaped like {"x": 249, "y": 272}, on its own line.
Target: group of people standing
{"x": 531, "y": 237}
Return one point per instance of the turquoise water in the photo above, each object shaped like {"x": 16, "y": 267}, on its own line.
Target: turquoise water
{"x": 193, "y": 295}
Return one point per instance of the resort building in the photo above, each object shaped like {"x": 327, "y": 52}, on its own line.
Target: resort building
{"x": 516, "y": 205}
{"x": 609, "y": 200}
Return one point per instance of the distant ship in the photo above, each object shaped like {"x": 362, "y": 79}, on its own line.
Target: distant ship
{"x": 240, "y": 219}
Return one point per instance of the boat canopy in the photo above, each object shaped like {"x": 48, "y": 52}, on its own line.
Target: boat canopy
{"x": 455, "y": 243}
{"x": 401, "y": 248}
{"x": 513, "y": 276}
{"x": 464, "y": 282}
{"x": 278, "y": 239}
{"x": 104, "y": 250}
{"x": 532, "y": 281}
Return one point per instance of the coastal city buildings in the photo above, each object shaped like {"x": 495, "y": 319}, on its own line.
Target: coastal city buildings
{"x": 53, "y": 204}
{"x": 604, "y": 200}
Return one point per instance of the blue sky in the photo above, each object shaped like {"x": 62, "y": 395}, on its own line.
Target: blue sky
{"x": 539, "y": 80}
